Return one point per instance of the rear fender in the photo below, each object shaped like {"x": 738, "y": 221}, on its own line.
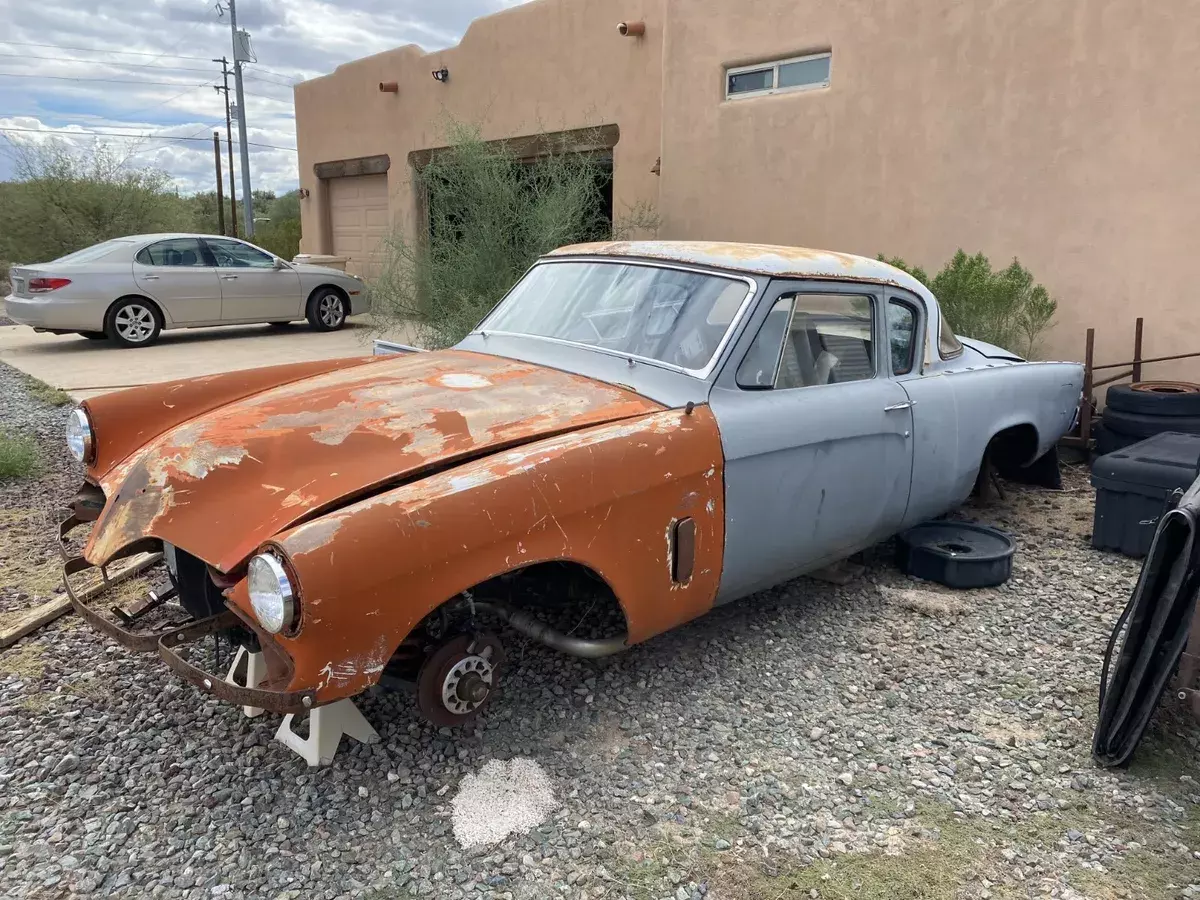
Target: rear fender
{"x": 606, "y": 497}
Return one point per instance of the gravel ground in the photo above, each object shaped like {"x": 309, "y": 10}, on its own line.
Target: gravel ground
{"x": 879, "y": 739}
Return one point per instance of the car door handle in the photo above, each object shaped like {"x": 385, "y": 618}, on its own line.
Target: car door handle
{"x": 228, "y": 277}
{"x": 907, "y": 404}
{"x": 150, "y": 277}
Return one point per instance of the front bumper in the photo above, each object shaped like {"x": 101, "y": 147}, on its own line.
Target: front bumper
{"x": 172, "y": 642}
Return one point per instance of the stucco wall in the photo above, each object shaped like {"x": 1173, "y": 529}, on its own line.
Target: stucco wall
{"x": 542, "y": 67}
{"x": 1061, "y": 133}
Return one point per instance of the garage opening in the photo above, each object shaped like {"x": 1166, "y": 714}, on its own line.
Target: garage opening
{"x": 359, "y": 220}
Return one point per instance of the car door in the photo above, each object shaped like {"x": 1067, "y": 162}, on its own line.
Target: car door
{"x": 252, "y": 288}
{"x": 181, "y": 278}
{"x": 939, "y": 479}
{"x": 817, "y": 437}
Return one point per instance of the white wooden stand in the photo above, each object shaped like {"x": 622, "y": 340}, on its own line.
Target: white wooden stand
{"x": 256, "y": 672}
{"x": 326, "y": 725}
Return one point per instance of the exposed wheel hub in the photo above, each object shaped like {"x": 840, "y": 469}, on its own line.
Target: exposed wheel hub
{"x": 458, "y": 678}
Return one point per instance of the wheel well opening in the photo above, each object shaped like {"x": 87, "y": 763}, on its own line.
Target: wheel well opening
{"x": 155, "y": 308}
{"x": 567, "y": 596}
{"x": 327, "y": 287}
{"x": 1012, "y": 449}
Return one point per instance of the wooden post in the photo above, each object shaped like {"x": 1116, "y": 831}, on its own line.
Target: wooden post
{"x": 1137, "y": 350}
{"x": 1085, "y": 410}
{"x": 220, "y": 190}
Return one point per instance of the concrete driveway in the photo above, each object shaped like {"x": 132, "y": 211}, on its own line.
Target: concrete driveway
{"x": 84, "y": 368}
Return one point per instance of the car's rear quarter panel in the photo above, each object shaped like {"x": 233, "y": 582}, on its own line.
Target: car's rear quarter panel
{"x": 606, "y": 497}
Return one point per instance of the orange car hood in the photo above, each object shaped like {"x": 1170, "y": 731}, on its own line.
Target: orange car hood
{"x": 224, "y": 482}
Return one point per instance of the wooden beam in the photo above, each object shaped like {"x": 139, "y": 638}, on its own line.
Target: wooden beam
{"x": 43, "y": 615}
{"x": 362, "y": 165}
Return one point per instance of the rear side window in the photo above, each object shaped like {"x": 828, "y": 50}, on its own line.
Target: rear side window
{"x": 96, "y": 251}
{"x": 173, "y": 252}
{"x": 948, "y": 345}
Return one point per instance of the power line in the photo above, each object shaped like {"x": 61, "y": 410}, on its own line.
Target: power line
{"x": 138, "y": 137}
{"x": 97, "y": 80}
{"x": 104, "y": 62}
{"x": 102, "y": 50}
{"x": 265, "y": 97}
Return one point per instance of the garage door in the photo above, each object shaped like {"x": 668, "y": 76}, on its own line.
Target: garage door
{"x": 358, "y": 212}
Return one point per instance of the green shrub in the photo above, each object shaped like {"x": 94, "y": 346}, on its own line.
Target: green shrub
{"x": 1005, "y": 308}
{"x": 280, "y": 237}
{"x": 18, "y": 455}
{"x": 490, "y": 216}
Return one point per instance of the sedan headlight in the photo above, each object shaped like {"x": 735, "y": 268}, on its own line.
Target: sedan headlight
{"x": 271, "y": 593}
{"x": 79, "y": 435}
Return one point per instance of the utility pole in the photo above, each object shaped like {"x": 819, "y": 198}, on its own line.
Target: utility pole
{"x": 229, "y": 137}
{"x": 238, "y": 54}
{"x": 220, "y": 197}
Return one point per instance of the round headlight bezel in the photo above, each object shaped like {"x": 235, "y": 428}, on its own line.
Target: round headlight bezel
{"x": 81, "y": 441}
{"x": 273, "y": 599}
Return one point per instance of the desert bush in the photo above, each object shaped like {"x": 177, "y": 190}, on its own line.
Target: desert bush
{"x": 491, "y": 215}
{"x": 279, "y": 236}
{"x": 63, "y": 199}
{"x": 1006, "y": 307}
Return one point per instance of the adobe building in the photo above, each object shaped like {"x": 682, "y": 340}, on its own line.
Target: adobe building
{"x": 1063, "y": 133}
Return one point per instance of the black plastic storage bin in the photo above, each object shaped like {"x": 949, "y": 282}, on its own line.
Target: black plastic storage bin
{"x": 1133, "y": 486}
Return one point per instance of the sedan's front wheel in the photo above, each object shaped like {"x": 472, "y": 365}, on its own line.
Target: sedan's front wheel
{"x": 133, "y": 322}
{"x": 326, "y": 310}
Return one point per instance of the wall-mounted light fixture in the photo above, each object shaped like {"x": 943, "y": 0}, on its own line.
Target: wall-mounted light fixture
{"x": 631, "y": 29}
{"x": 389, "y": 87}
{"x": 442, "y": 74}
{"x": 303, "y": 193}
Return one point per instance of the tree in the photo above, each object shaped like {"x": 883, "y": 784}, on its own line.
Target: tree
{"x": 490, "y": 215}
{"x": 64, "y": 199}
{"x": 1004, "y": 308}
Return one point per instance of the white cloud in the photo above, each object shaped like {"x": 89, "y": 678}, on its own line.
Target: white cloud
{"x": 167, "y": 90}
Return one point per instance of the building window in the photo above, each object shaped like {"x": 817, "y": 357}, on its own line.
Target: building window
{"x": 800, "y": 73}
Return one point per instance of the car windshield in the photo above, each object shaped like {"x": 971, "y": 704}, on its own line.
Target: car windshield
{"x": 96, "y": 251}
{"x": 655, "y": 312}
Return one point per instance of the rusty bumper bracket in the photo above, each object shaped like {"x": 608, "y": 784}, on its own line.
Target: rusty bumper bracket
{"x": 275, "y": 701}
{"x": 143, "y": 643}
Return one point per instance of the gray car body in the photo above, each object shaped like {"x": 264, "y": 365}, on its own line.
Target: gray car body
{"x": 187, "y": 297}
{"x": 815, "y": 474}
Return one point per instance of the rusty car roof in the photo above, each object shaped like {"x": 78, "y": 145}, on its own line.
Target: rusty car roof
{"x": 755, "y": 259}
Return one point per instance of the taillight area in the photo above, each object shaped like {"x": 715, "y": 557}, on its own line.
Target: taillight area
{"x": 46, "y": 285}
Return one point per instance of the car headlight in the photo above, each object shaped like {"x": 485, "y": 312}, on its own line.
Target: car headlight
{"x": 79, "y": 435}
{"x": 271, "y": 593}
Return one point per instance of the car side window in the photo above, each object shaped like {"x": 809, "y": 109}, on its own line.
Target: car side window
{"x": 235, "y": 255}
{"x": 173, "y": 252}
{"x": 902, "y": 336}
{"x": 811, "y": 339}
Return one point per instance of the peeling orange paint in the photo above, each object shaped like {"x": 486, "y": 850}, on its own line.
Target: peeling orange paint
{"x": 264, "y": 461}
{"x": 602, "y": 496}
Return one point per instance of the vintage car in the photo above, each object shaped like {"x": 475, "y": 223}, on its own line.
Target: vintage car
{"x": 663, "y": 427}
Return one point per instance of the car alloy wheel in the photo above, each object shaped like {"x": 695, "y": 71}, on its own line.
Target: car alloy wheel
{"x": 331, "y": 311}
{"x": 135, "y": 323}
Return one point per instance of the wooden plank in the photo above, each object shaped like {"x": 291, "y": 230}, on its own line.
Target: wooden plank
{"x": 43, "y": 615}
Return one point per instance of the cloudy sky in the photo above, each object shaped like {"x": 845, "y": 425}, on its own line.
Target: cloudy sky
{"x": 142, "y": 70}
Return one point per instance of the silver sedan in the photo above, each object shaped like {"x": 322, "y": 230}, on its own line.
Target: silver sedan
{"x": 129, "y": 289}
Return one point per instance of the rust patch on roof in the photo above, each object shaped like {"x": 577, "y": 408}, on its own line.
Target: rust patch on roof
{"x": 755, "y": 259}
{"x": 230, "y": 478}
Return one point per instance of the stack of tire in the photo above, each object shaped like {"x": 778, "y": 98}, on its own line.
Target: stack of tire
{"x": 1134, "y": 412}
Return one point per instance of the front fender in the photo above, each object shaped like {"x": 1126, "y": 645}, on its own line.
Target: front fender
{"x": 606, "y": 497}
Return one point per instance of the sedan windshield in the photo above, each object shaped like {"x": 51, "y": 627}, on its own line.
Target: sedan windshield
{"x": 659, "y": 313}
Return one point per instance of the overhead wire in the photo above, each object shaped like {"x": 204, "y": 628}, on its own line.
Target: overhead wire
{"x": 104, "y": 50}
{"x": 150, "y": 137}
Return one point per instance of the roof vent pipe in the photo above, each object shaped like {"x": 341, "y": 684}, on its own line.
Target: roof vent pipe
{"x": 631, "y": 29}
{"x": 389, "y": 87}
